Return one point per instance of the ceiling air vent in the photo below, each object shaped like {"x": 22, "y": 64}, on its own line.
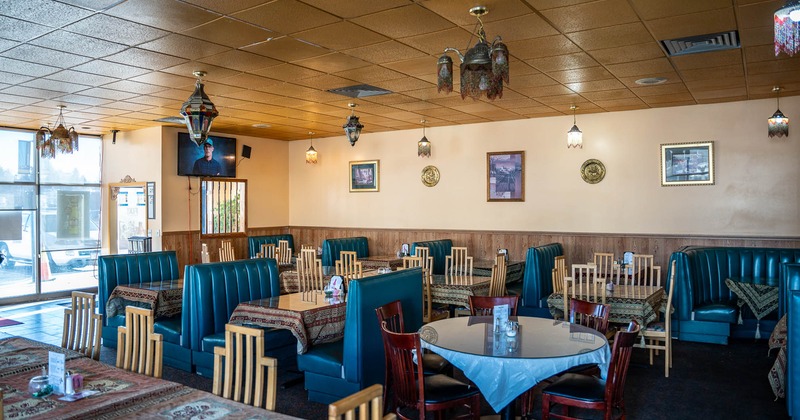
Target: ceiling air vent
{"x": 702, "y": 43}
{"x": 360, "y": 91}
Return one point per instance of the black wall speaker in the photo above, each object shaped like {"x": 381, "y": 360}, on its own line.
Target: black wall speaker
{"x": 246, "y": 151}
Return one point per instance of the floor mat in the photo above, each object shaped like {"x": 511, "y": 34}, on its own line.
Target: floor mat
{"x": 5, "y": 322}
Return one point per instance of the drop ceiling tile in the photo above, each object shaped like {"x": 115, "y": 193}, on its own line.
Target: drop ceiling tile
{"x": 636, "y": 52}
{"x": 13, "y": 79}
{"x": 772, "y": 79}
{"x": 712, "y": 72}
{"x": 287, "y": 49}
{"x": 134, "y": 87}
{"x": 392, "y": 99}
{"x": 515, "y": 104}
{"x": 656, "y": 9}
{"x": 160, "y": 78}
{"x": 758, "y": 15}
{"x": 559, "y": 99}
{"x": 434, "y": 43}
{"x": 286, "y": 16}
{"x": 84, "y": 100}
{"x": 538, "y": 111}
{"x": 584, "y": 16}
{"x": 107, "y": 68}
{"x": 517, "y": 28}
{"x": 120, "y": 30}
{"x": 670, "y": 100}
{"x": 332, "y": 63}
{"x": 157, "y": 102}
{"x": 405, "y": 84}
{"x": 418, "y": 106}
{"x": 384, "y": 52}
{"x": 145, "y": 59}
{"x": 354, "y": 8}
{"x": 6, "y": 44}
{"x": 541, "y": 47}
{"x": 757, "y": 36}
{"x": 608, "y": 95}
{"x": 530, "y": 80}
{"x": 75, "y": 43}
{"x": 763, "y": 53}
{"x": 82, "y": 78}
{"x": 716, "y": 84}
{"x": 32, "y": 92}
{"x": 116, "y": 95}
{"x": 340, "y": 36}
{"x": 734, "y": 92}
{"x": 562, "y": 62}
{"x": 250, "y": 81}
{"x": 580, "y": 75}
{"x": 240, "y": 60}
{"x": 610, "y": 37}
{"x": 710, "y": 59}
{"x": 701, "y": 23}
{"x": 670, "y": 76}
{"x": 225, "y": 7}
{"x": 169, "y": 15}
{"x": 641, "y": 68}
{"x": 594, "y": 86}
{"x": 716, "y": 100}
{"x": 26, "y": 68}
{"x": 34, "y": 54}
{"x": 122, "y": 106}
{"x": 415, "y": 66}
{"x": 406, "y": 21}
{"x": 538, "y": 91}
{"x": 661, "y": 90}
{"x": 231, "y": 33}
{"x": 458, "y": 11}
{"x": 213, "y": 73}
{"x": 774, "y": 66}
{"x": 54, "y": 85}
{"x": 43, "y": 12}
{"x": 184, "y": 46}
{"x": 621, "y": 104}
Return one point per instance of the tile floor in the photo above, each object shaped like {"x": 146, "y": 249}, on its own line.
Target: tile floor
{"x": 41, "y": 321}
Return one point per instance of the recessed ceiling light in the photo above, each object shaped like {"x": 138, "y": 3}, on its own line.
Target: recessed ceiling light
{"x": 261, "y": 125}
{"x": 651, "y": 81}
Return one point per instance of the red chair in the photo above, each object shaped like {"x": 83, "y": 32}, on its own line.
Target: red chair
{"x": 484, "y": 305}
{"x": 572, "y": 390}
{"x": 417, "y": 394}
{"x": 432, "y": 364}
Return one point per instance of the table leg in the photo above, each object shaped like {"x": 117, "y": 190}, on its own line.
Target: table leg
{"x": 507, "y": 413}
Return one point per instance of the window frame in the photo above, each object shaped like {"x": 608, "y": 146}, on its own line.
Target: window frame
{"x": 204, "y": 211}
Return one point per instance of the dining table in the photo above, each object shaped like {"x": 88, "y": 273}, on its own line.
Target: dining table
{"x": 627, "y": 302}
{"x": 164, "y": 297}
{"x": 381, "y": 261}
{"x": 312, "y": 317}
{"x": 503, "y": 367}
{"x": 515, "y": 270}
{"x": 290, "y": 279}
{"x": 456, "y": 290}
{"x": 108, "y": 392}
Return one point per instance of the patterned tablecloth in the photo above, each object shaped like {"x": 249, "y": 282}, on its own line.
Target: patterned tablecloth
{"x": 777, "y": 374}
{"x": 165, "y": 297}
{"x": 449, "y": 291}
{"x": 19, "y": 354}
{"x": 641, "y": 303}
{"x": 381, "y": 261}
{"x": 290, "y": 279}
{"x": 310, "y": 322}
{"x": 121, "y": 394}
{"x": 515, "y": 270}
{"x": 761, "y": 298}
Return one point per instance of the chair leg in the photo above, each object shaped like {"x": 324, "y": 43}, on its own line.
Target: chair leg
{"x": 545, "y": 407}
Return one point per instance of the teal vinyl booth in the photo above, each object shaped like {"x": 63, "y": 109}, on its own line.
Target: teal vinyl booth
{"x": 335, "y": 370}
{"x": 254, "y": 242}
{"x": 332, "y": 247}
{"x": 438, "y": 249}
{"x": 537, "y": 283}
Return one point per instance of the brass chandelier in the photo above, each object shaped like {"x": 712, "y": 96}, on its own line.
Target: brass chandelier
{"x": 59, "y": 139}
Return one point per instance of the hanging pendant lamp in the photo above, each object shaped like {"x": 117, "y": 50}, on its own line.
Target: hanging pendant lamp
{"x": 352, "y": 127}
{"x": 423, "y": 146}
{"x": 59, "y": 139}
{"x": 787, "y": 28}
{"x": 198, "y": 112}
{"x": 574, "y": 135}
{"x": 311, "y": 153}
{"x": 778, "y": 124}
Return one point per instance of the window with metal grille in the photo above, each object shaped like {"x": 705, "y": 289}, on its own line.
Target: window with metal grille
{"x": 223, "y": 207}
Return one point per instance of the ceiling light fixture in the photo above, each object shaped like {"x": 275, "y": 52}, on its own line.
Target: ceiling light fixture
{"x": 198, "y": 111}
{"x": 423, "y": 146}
{"x": 778, "y": 124}
{"x": 574, "y": 135}
{"x": 352, "y": 127}
{"x": 59, "y": 139}
{"x": 484, "y": 67}
{"x": 787, "y": 28}
{"x": 311, "y": 153}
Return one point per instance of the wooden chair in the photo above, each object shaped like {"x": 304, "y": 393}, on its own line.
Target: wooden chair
{"x": 411, "y": 262}
{"x": 424, "y": 253}
{"x": 424, "y": 394}
{"x": 139, "y": 349}
{"x": 605, "y": 265}
{"x": 284, "y": 255}
{"x": 458, "y": 263}
{"x": 497, "y": 285}
{"x": 584, "y": 284}
{"x": 589, "y": 314}
{"x": 309, "y": 271}
{"x": 484, "y": 305}
{"x": 644, "y": 272}
{"x": 245, "y": 366}
{"x": 205, "y": 258}
{"x": 368, "y": 401}
{"x": 226, "y": 252}
{"x": 348, "y": 267}
{"x": 431, "y": 312}
{"x": 558, "y": 274}
{"x": 267, "y": 251}
{"x": 657, "y": 335}
{"x": 306, "y": 246}
{"x": 82, "y": 326}
{"x": 590, "y": 392}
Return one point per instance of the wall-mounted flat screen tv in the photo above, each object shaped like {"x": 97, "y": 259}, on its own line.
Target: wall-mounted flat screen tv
{"x": 217, "y": 157}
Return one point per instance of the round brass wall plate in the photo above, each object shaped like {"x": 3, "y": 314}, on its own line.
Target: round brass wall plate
{"x": 593, "y": 171}
{"x": 430, "y": 176}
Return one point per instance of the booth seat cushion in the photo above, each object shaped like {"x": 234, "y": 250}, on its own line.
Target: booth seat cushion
{"x": 273, "y": 338}
{"x": 170, "y": 328}
{"x": 254, "y": 242}
{"x": 326, "y": 359}
{"x": 716, "y": 312}
{"x": 439, "y": 249}
{"x": 332, "y": 247}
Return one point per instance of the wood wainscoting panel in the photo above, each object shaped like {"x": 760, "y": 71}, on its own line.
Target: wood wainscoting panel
{"x": 188, "y": 244}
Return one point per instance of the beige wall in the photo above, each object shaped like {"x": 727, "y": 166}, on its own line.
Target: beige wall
{"x": 757, "y": 190}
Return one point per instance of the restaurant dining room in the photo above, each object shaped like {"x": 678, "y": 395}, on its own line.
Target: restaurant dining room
{"x": 399, "y": 209}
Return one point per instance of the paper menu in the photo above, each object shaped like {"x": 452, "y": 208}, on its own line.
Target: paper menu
{"x": 56, "y": 371}
{"x": 500, "y": 317}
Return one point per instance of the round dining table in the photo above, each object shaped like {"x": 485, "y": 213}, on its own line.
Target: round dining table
{"x": 503, "y": 366}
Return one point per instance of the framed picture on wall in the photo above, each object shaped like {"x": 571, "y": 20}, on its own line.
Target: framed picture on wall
{"x": 687, "y": 164}
{"x": 365, "y": 176}
{"x": 505, "y": 176}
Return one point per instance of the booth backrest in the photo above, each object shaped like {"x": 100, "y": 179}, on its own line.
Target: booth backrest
{"x": 216, "y": 288}
{"x": 439, "y": 249}
{"x": 701, "y": 272}
{"x": 332, "y": 247}
{"x": 254, "y": 242}
{"x": 363, "y": 357}
{"x": 537, "y": 284}
{"x": 790, "y": 280}
{"x": 122, "y": 269}
{"x": 793, "y": 353}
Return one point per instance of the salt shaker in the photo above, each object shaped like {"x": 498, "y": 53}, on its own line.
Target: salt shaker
{"x": 69, "y": 389}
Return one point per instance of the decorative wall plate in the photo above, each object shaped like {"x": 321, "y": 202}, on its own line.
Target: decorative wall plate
{"x": 430, "y": 176}
{"x": 593, "y": 171}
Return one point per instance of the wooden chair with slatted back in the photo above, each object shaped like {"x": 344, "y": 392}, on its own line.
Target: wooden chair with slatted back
{"x": 411, "y": 262}
{"x": 348, "y": 267}
{"x": 368, "y": 401}
{"x": 484, "y": 305}
{"x": 427, "y": 261}
{"x": 205, "y": 258}
{"x": 82, "y": 326}
{"x": 226, "y": 252}
{"x": 431, "y": 312}
{"x": 605, "y": 265}
{"x": 657, "y": 335}
{"x": 309, "y": 270}
{"x": 267, "y": 250}
{"x": 645, "y": 273}
{"x": 497, "y": 285}
{"x": 584, "y": 284}
{"x": 246, "y": 370}
{"x": 558, "y": 273}
{"x": 139, "y": 349}
{"x": 458, "y": 263}
{"x": 284, "y": 253}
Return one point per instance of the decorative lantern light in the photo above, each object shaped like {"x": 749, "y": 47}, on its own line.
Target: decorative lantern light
{"x": 311, "y": 153}
{"x": 198, "y": 111}
{"x": 778, "y": 124}
{"x": 423, "y": 146}
{"x": 787, "y": 28}
{"x": 352, "y": 127}
{"x": 574, "y": 135}
{"x": 59, "y": 139}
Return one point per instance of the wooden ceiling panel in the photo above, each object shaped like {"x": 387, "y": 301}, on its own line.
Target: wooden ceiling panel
{"x": 287, "y": 49}
{"x": 184, "y": 46}
{"x": 230, "y": 32}
{"x": 701, "y": 23}
{"x": 286, "y": 16}
{"x": 435, "y": 43}
{"x": 521, "y": 27}
{"x": 340, "y": 36}
{"x": 657, "y": 9}
{"x": 641, "y": 68}
{"x": 710, "y": 59}
{"x": 628, "y": 53}
{"x": 581, "y": 75}
{"x": 385, "y": 51}
{"x": 611, "y": 37}
{"x": 542, "y": 47}
{"x": 585, "y": 16}
{"x": 169, "y": 15}
{"x": 563, "y": 62}
{"x": 240, "y": 60}
{"x": 403, "y": 22}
